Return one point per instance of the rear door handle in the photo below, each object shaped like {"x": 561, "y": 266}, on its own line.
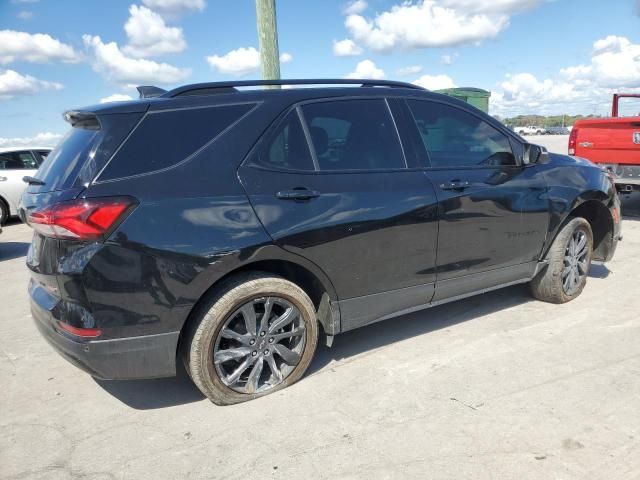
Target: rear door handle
{"x": 455, "y": 185}
{"x": 297, "y": 194}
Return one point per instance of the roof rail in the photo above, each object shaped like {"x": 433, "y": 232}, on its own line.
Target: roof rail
{"x": 227, "y": 87}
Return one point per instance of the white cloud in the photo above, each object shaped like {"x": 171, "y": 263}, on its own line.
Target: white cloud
{"x": 435, "y": 82}
{"x": 434, "y": 23}
{"x": 172, "y": 8}
{"x": 410, "y": 70}
{"x": 44, "y": 139}
{"x": 241, "y": 61}
{"x": 37, "y": 47}
{"x": 116, "y": 97}
{"x": 286, "y": 58}
{"x": 13, "y": 84}
{"x": 149, "y": 35}
{"x": 494, "y": 6}
{"x": 346, "y": 48}
{"x": 356, "y": 7}
{"x": 25, "y": 15}
{"x": 449, "y": 59}
{"x": 615, "y": 63}
{"x": 110, "y": 61}
{"x": 583, "y": 88}
{"x": 366, "y": 69}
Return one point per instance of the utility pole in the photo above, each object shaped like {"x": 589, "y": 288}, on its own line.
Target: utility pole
{"x": 268, "y": 39}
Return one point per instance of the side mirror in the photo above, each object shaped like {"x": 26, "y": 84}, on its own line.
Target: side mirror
{"x": 535, "y": 154}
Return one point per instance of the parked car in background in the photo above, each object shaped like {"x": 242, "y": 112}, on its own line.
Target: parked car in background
{"x": 557, "y": 131}
{"x": 16, "y": 163}
{"x": 229, "y": 228}
{"x": 530, "y": 130}
{"x": 613, "y": 143}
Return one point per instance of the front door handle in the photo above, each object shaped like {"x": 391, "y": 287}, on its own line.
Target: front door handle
{"x": 297, "y": 194}
{"x": 455, "y": 185}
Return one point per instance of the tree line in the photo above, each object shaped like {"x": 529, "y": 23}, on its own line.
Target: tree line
{"x": 543, "y": 121}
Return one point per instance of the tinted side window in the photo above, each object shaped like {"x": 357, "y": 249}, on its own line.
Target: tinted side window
{"x": 17, "y": 161}
{"x": 164, "y": 139}
{"x": 455, "y": 138}
{"x": 287, "y": 149}
{"x": 354, "y": 135}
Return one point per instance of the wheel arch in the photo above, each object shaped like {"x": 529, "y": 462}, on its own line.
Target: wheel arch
{"x": 312, "y": 280}
{"x": 602, "y": 226}
{"x": 600, "y": 219}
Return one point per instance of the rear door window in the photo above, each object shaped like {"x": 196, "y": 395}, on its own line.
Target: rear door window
{"x": 456, "y": 138}
{"x": 288, "y": 148}
{"x": 166, "y": 138}
{"x": 354, "y": 135}
{"x": 21, "y": 160}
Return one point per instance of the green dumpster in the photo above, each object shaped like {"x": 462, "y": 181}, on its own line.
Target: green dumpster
{"x": 474, "y": 96}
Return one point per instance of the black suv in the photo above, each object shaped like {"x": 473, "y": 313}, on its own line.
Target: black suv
{"x": 228, "y": 228}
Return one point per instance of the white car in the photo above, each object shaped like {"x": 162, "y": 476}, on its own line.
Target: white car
{"x": 16, "y": 163}
{"x": 530, "y": 130}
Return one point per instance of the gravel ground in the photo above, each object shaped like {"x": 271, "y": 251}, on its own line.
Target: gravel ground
{"x": 496, "y": 386}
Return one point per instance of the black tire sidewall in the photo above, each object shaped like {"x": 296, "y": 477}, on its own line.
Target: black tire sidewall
{"x": 4, "y": 212}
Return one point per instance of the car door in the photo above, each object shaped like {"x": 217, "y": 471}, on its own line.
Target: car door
{"x": 331, "y": 184}
{"x": 13, "y": 166}
{"x": 493, "y": 210}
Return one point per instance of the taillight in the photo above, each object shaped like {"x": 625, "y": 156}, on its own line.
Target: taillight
{"x": 573, "y": 137}
{"x": 80, "y": 332}
{"x": 82, "y": 219}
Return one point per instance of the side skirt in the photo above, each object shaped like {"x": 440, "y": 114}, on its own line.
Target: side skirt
{"x": 360, "y": 311}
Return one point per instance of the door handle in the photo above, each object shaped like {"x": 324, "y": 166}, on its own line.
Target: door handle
{"x": 455, "y": 185}
{"x": 297, "y": 194}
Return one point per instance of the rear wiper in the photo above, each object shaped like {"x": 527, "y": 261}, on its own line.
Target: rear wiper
{"x": 32, "y": 180}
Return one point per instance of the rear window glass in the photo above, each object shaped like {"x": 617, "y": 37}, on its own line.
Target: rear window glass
{"x": 166, "y": 138}
{"x": 81, "y": 154}
{"x": 17, "y": 161}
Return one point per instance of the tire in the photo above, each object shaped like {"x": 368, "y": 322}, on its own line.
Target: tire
{"x": 4, "y": 212}
{"x": 550, "y": 285}
{"x": 207, "y": 352}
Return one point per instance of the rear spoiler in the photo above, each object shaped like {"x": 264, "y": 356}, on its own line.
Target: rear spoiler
{"x": 149, "y": 91}
{"x": 82, "y": 119}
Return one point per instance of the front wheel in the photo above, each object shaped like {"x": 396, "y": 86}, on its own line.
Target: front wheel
{"x": 569, "y": 261}
{"x": 256, "y": 336}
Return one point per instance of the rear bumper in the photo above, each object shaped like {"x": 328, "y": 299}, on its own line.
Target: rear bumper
{"x": 148, "y": 356}
{"x": 627, "y": 177}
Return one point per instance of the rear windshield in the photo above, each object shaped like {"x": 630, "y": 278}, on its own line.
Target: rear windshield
{"x": 82, "y": 153}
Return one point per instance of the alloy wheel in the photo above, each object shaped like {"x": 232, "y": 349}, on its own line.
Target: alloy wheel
{"x": 576, "y": 262}
{"x": 259, "y": 345}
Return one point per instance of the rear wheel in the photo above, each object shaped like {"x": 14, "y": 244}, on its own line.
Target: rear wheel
{"x": 256, "y": 336}
{"x": 569, "y": 261}
{"x": 4, "y": 212}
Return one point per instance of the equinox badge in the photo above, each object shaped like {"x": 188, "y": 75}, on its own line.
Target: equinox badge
{"x": 636, "y": 138}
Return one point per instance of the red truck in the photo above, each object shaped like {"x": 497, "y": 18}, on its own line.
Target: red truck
{"x": 613, "y": 143}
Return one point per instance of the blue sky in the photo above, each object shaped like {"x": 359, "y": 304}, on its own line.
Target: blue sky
{"x": 536, "y": 56}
